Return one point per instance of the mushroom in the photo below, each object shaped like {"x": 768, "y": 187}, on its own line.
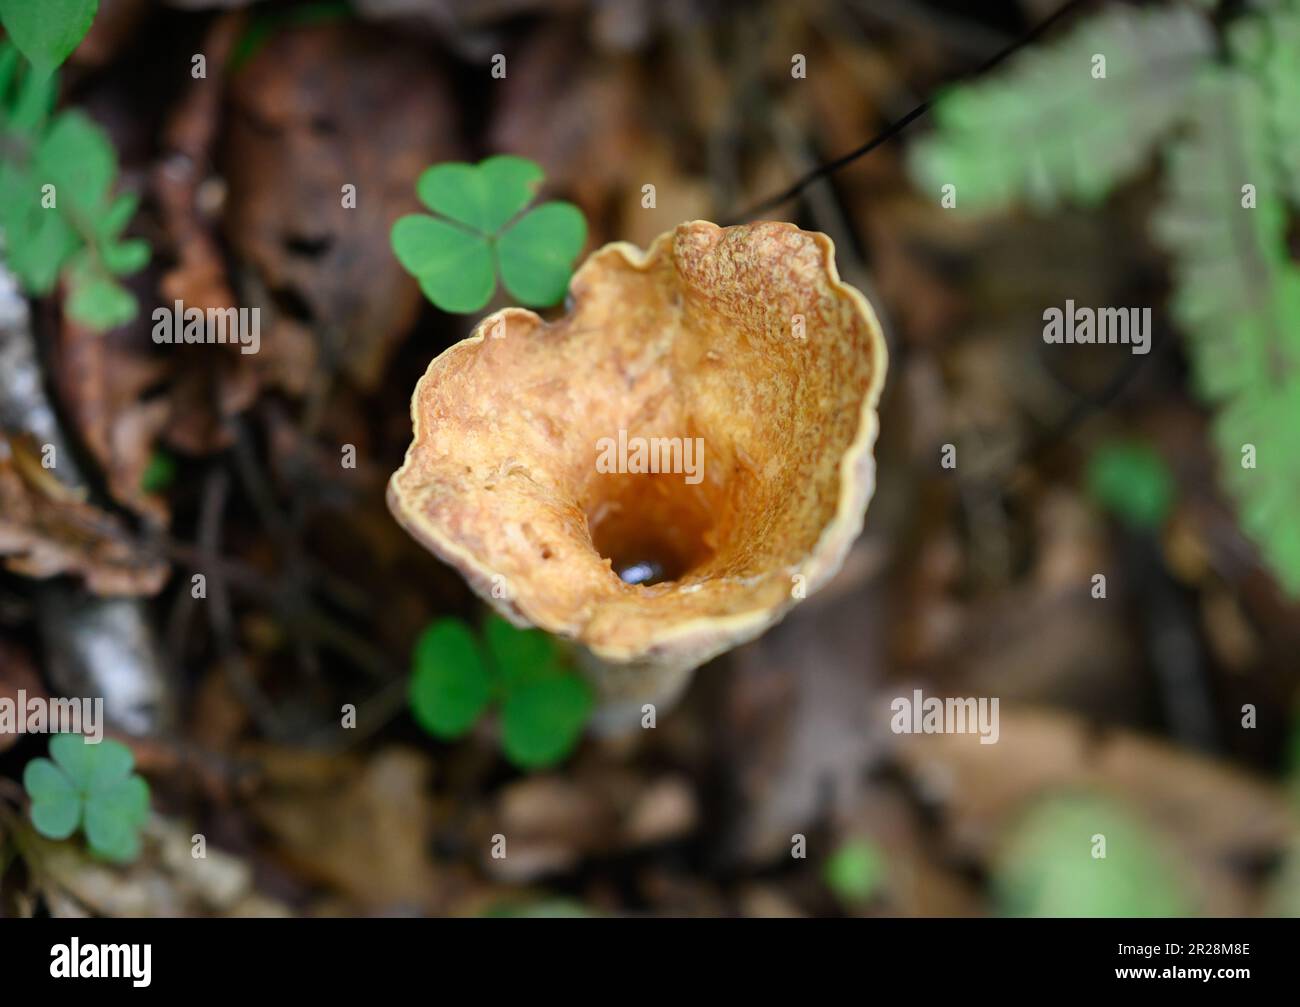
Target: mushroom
{"x": 556, "y": 465}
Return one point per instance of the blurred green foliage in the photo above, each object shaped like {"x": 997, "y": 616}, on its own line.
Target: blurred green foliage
{"x": 159, "y": 473}
{"x": 457, "y": 675}
{"x": 855, "y": 872}
{"x": 1131, "y": 480}
{"x": 58, "y": 215}
{"x": 1049, "y": 130}
{"x": 46, "y": 31}
{"x": 1049, "y": 865}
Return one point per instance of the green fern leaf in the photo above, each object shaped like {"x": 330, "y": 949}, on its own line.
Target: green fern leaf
{"x": 1237, "y": 298}
{"x": 1272, "y": 44}
{"x": 1048, "y": 131}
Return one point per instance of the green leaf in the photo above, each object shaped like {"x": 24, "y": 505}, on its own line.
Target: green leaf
{"x": 453, "y": 266}
{"x": 1269, "y": 44}
{"x": 126, "y": 257}
{"x": 536, "y": 254}
{"x": 32, "y": 102}
{"x": 76, "y": 155}
{"x": 457, "y": 269}
{"x": 1237, "y": 299}
{"x": 9, "y": 66}
{"x": 117, "y": 216}
{"x": 76, "y": 757}
{"x": 450, "y": 686}
{"x": 855, "y": 871}
{"x": 113, "y": 823}
{"x": 1047, "y": 868}
{"x": 159, "y": 474}
{"x": 128, "y": 798}
{"x": 114, "y": 817}
{"x": 39, "y": 240}
{"x": 541, "y": 721}
{"x": 91, "y": 785}
{"x": 484, "y": 196}
{"x": 47, "y": 30}
{"x": 56, "y": 803}
{"x": 1131, "y": 480}
{"x": 520, "y": 655}
{"x": 57, "y": 818}
{"x": 111, "y": 765}
{"x": 102, "y": 303}
{"x": 1047, "y": 131}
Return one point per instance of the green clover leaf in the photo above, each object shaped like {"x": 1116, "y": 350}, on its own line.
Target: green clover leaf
{"x": 451, "y": 686}
{"x": 56, "y": 802}
{"x": 542, "y": 720}
{"x": 519, "y": 655}
{"x": 483, "y": 197}
{"x": 453, "y": 266}
{"x": 544, "y": 704}
{"x": 47, "y": 31}
{"x": 91, "y": 785}
{"x": 536, "y": 254}
{"x": 457, "y": 259}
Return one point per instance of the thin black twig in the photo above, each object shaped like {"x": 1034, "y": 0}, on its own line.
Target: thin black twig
{"x": 898, "y": 125}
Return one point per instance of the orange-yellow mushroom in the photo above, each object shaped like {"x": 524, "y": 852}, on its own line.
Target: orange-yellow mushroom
{"x": 703, "y": 417}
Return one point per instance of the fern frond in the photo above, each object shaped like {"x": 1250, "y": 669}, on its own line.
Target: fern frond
{"x": 1276, "y": 53}
{"x": 1237, "y": 298}
{"x": 1047, "y": 132}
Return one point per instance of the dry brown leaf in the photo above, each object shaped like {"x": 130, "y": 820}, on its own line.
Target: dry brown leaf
{"x": 47, "y": 529}
{"x": 363, "y": 828}
{"x": 316, "y": 109}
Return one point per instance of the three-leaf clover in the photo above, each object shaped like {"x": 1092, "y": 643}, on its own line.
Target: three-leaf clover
{"x": 92, "y": 786}
{"x": 544, "y": 704}
{"x": 456, "y": 256}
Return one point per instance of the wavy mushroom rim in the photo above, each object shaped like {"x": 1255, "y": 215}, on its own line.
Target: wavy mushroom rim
{"x": 695, "y": 641}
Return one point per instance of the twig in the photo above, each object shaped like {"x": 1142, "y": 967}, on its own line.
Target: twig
{"x": 898, "y": 125}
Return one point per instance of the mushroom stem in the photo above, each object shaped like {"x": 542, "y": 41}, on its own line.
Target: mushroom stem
{"x": 624, "y": 690}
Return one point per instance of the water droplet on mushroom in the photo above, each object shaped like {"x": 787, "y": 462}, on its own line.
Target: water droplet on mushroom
{"x": 644, "y": 572}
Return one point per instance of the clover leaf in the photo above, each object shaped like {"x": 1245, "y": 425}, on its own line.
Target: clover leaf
{"x": 543, "y": 702}
{"x": 92, "y": 786}
{"x": 451, "y": 685}
{"x": 456, "y": 256}
{"x": 541, "y": 720}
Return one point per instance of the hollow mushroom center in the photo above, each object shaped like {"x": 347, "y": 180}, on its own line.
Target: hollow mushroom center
{"x": 653, "y": 527}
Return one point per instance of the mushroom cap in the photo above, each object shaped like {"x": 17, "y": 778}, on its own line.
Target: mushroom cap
{"x": 697, "y": 337}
